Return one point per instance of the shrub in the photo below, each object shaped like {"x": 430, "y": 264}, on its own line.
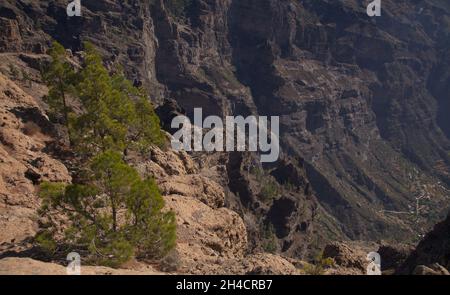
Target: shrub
{"x": 14, "y": 72}
{"x": 269, "y": 238}
{"x": 269, "y": 190}
{"x": 319, "y": 266}
{"x": 46, "y": 242}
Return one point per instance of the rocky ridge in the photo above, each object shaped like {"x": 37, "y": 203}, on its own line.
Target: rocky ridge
{"x": 432, "y": 254}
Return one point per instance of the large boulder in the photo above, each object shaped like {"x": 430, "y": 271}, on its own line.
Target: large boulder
{"x": 216, "y": 232}
{"x": 195, "y": 186}
{"x": 347, "y": 259}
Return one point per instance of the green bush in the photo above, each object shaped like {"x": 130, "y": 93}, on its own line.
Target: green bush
{"x": 46, "y": 241}
{"x": 269, "y": 238}
{"x": 319, "y": 266}
{"x": 269, "y": 190}
{"x": 13, "y": 71}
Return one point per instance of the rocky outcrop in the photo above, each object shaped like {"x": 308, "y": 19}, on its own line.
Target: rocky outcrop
{"x": 219, "y": 232}
{"x": 347, "y": 259}
{"x": 10, "y": 34}
{"x": 433, "y": 252}
{"x": 210, "y": 238}
{"x": 392, "y": 256}
{"x": 196, "y": 186}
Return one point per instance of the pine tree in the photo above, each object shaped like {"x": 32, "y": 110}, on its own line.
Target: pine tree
{"x": 152, "y": 230}
{"x": 117, "y": 116}
{"x": 114, "y": 216}
{"x": 60, "y": 78}
{"x": 114, "y": 178}
{"x": 113, "y": 213}
{"x": 97, "y": 129}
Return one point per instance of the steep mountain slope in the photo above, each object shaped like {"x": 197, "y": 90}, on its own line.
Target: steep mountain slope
{"x": 363, "y": 101}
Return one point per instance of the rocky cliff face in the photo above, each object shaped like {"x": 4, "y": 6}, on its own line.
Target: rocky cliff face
{"x": 363, "y": 104}
{"x": 432, "y": 253}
